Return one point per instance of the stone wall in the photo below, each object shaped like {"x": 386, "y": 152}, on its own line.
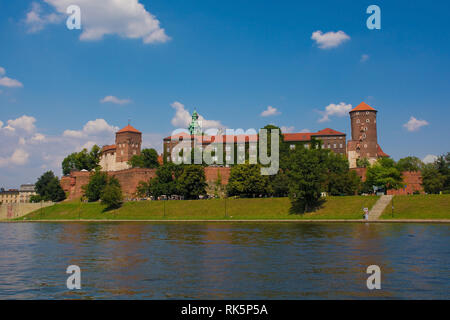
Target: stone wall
{"x": 129, "y": 179}
{"x": 412, "y": 183}
{"x": 17, "y": 210}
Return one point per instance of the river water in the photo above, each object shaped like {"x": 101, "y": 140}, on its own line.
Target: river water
{"x": 224, "y": 260}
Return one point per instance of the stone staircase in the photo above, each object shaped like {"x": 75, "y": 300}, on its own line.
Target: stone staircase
{"x": 378, "y": 208}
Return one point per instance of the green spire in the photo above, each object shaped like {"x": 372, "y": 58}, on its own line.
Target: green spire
{"x": 194, "y": 127}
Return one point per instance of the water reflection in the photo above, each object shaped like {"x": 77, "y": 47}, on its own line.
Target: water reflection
{"x": 224, "y": 261}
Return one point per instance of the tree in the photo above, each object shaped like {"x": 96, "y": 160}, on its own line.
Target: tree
{"x": 409, "y": 164}
{"x": 82, "y": 160}
{"x": 49, "y": 188}
{"x": 306, "y": 169}
{"x": 192, "y": 182}
{"x": 147, "y": 159}
{"x": 385, "y": 174}
{"x": 165, "y": 182}
{"x": 279, "y": 185}
{"x": 112, "y": 194}
{"x": 246, "y": 181}
{"x": 362, "y": 163}
{"x": 340, "y": 179}
{"x": 97, "y": 182}
{"x": 432, "y": 180}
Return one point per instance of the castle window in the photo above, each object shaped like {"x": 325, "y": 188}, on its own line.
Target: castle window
{"x": 367, "y": 120}
{"x": 292, "y": 146}
{"x": 365, "y": 146}
{"x": 364, "y": 135}
{"x": 329, "y": 146}
{"x": 340, "y": 145}
{"x": 357, "y": 121}
{"x": 357, "y": 113}
{"x": 367, "y": 112}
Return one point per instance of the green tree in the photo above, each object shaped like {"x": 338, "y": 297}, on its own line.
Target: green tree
{"x": 385, "y": 174}
{"x": 246, "y": 181}
{"x": 362, "y": 163}
{"x": 192, "y": 182}
{"x": 306, "y": 169}
{"x": 111, "y": 194}
{"x": 82, "y": 160}
{"x": 279, "y": 184}
{"x": 409, "y": 164}
{"x": 147, "y": 159}
{"x": 165, "y": 182}
{"x": 97, "y": 182}
{"x": 49, "y": 188}
{"x": 432, "y": 180}
{"x": 340, "y": 179}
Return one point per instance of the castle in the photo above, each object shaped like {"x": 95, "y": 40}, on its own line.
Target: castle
{"x": 114, "y": 158}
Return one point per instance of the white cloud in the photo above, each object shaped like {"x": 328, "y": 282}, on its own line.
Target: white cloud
{"x": 429, "y": 158}
{"x": 10, "y": 83}
{"x": 115, "y": 100}
{"x": 182, "y": 118}
{"x": 414, "y": 124}
{"x": 25, "y": 123}
{"x": 38, "y": 137}
{"x": 19, "y": 157}
{"x": 329, "y": 39}
{"x": 1, "y": 124}
{"x": 92, "y": 128}
{"x": 270, "y": 111}
{"x": 364, "y": 58}
{"x": 36, "y": 20}
{"x": 332, "y": 109}
{"x": 126, "y": 18}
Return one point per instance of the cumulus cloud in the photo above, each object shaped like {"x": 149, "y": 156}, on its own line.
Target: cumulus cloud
{"x": 115, "y": 100}
{"x": 36, "y": 19}
{"x": 270, "y": 111}
{"x": 8, "y": 82}
{"x": 25, "y": 123}
{"x": 19, "y": 157}
{"x": 364, "y": 58}
{"x": 92, "y": 128}
{"x": 415, "y": 124}
{"x": 285, "y": 129}
{"x": 332, "y": 109}
{"x": 126, "y": 18}
{"x": 329, "y": 39}
{"x": 429, "y": 158}
{"x": 182, "y": 118}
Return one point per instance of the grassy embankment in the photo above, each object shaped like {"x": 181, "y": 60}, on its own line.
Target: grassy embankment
{"x": 431, "y": 206}
{"x": 236, "y": 209}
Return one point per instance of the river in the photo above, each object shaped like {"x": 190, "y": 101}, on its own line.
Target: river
{"x": 132, "y": 260}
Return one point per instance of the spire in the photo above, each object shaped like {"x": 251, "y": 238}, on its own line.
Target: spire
{"x": 194, "y": 126}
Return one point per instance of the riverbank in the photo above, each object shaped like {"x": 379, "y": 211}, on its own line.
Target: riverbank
{"x": 339, "y": 208}
{"x": 414, "y": 208}
{"x": 421, "y": 206}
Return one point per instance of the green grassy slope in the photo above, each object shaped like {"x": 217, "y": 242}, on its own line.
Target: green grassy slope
{"x": 429, "y": 206}
{"x": 265, "y": 208}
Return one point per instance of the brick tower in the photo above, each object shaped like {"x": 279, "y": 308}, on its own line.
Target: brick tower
{"x": 364, "y": 142}
{"x": 128, "y": 143}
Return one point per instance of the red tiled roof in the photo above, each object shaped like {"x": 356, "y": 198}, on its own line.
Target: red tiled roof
{"x": 300, "y": 136}
{"x": 328, "y": 132}
{"x": 380, "y": 152}
{"x": 108, "y": 147}
{"x": 363, "y": 107}
{"x": 128, "y": 128}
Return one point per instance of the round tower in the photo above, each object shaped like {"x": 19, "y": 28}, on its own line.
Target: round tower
{"x": 363, "y": 120}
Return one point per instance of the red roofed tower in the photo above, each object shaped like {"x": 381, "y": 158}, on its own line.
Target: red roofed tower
{"x": 364, "y": 142}
{"x": 128, "y": 143}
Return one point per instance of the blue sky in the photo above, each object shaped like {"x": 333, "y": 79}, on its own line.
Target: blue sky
{"x": 230, "y": 60}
